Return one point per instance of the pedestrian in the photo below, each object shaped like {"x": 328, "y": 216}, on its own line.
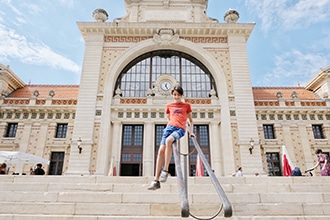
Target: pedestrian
{"x": 177, "y": 113}
{"x": 239, "y": 172}
{"x": 323, "y": 162}
{"x": 3, "y": 168}
{"x": 39, "y": 170}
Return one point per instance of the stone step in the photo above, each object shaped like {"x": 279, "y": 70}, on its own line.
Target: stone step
{"x": 154, "y": 197}
{"x": 263, "y": 180}
{"x": 160, "y": 209}
{"x": 96, "y": 217}
{"x": 167, "y": 187}
{"x": 97, "y": 197}
{"x": 139, "y": 184}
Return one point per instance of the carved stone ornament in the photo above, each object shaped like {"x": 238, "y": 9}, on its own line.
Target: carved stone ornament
{"x": 294, "y": 95}
{"x": 166, "y": 37}
{"x": 231, "y": 16}
{"x": 279, "y": 95}
{"x": 35, "y": 93}
{"x": 118, "y": 93}
{"x": 100, "y": 15}
{"x": 51, "y": 93}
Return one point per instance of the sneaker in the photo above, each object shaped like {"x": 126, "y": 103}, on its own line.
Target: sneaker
{"x": 163, "y": 176}
{"x": 154, "y": 185}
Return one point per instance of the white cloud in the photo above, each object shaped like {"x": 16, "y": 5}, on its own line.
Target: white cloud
{"x": 295, "y": 66}
{"x": 15, "y": 46}
{"x": 31, "y": 8}
{"x": 67, "y": 3}
{"x": 288, "y": 14}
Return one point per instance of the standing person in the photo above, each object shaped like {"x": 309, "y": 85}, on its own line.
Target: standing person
{"x": 39, "y": 170}
{"x": 239, "y": 172}
{"x": 177, "y": 113}
{"x": 323, "y": 162}
{"x": 3, "y": 168}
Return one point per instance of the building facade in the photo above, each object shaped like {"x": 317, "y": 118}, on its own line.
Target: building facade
{"x": 115, "y": 117}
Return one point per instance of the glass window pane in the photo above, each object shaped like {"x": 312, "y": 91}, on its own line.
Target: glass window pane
{"x": 141, "y": 73}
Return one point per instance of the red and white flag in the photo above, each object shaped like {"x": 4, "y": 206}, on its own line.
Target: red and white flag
{"x": 286, "y": 162}
{"x": 199, "y": 167}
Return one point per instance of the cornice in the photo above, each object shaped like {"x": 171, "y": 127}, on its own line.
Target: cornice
{"x": 11, "y": 78}
{"x": 314, "y": 83}
{"x": 151, "y": 28}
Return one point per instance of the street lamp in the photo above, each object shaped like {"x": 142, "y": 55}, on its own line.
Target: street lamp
{"x": 79, "y": 145}
{"x": 251, "y": 145}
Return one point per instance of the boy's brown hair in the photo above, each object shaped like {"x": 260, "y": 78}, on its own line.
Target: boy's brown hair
{"x": 178, "y": 89}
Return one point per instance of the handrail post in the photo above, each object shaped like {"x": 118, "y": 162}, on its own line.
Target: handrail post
{"x": 181, "y": 182}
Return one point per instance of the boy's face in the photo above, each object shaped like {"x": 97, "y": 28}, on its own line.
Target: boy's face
{"x": 176, "y": 96}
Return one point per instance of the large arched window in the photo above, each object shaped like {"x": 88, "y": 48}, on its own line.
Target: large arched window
{"x": 139, "y": 76}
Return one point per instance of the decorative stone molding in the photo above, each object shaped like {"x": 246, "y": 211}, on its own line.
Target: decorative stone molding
{"x": 279, "y": 95}
{"x": 51, "y": 93}
{"x": 231, "y": 16}
{"x": 118, "y": 93}
{"x": 163, "y": 86}
{"x": 100, "y": 15}
{"x": 294, "y": 95}
{"x": 133, "y": 101}
{"x": 166, "y": 37}
{"x": 35, "y": 93}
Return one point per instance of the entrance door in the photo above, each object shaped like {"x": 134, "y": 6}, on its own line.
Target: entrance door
{"x": 131, "y": 153}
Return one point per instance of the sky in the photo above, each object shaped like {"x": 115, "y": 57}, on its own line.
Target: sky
{"x": 41, "y": 42}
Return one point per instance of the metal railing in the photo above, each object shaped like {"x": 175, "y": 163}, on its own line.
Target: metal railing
{"x": 183, "y": 182}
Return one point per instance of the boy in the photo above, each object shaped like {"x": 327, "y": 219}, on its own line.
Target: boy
{"x": 177, "y": 112}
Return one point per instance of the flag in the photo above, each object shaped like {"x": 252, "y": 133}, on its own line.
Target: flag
{"x": 199, "y": 167}
{"x": 115, "y": 171}
{"x": 286, "y": 162}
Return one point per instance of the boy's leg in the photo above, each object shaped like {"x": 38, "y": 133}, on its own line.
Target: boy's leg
{"x": 168, "y": 152}
{"x": 168, "y": 155}
{"x": 160, "y": 161}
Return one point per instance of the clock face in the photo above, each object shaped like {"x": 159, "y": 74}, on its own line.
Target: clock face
{"x": 166, "y": 85}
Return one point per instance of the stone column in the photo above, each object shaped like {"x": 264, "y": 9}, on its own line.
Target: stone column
{"x": 104, "y": 147}
{"x": 305, "y": 145}
{"x": 116, "y": 144}
{"x": 24, "y": 142}
{"x": 79, "y": 164}
{"x": 219, "y": 152}
{"x": 148, "y": 150}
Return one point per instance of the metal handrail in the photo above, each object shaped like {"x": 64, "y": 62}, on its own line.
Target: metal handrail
{"x": 183, "y": 185}
{"x": 228, "y": 211}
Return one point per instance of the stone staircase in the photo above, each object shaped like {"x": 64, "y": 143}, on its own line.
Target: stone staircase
{"x": 126, "y": 198}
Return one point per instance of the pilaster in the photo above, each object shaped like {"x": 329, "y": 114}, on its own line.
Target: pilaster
{"x": 148, "y": 150}
{"x": 104, "y": 146}
{"x": 116, "y": 144}
{"x": 86, "y": 107}
{"x": 244, "y": 104}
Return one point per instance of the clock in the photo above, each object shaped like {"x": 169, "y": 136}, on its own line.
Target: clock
{"x": 165, "y": 85}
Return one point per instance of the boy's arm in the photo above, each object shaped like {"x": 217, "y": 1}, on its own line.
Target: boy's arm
{"x": 191, "y": 125}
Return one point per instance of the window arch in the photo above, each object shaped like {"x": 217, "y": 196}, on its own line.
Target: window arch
{"x": 139, "y": 75}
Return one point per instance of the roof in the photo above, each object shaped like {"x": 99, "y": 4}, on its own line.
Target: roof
{"x": 269, "y": 93}
{"x": 61, "y": 91}
{"x": 71, "y": 91}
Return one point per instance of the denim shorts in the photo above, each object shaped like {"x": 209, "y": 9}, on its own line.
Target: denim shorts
{"x": 173, "y": 131}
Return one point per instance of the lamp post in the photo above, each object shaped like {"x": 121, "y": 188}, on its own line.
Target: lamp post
{"x": 251, "y": 145}
{"x": 79, "y": 145}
